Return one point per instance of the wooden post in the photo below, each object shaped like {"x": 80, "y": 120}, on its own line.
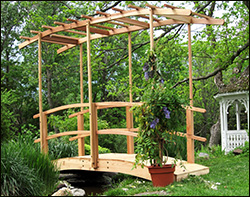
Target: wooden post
{"x": 44, "y": 140}
{"x": 92, "y": 117}
{"x": 189, "y": 113}
{"x": 80, "y": 118}
{"x": 129, "y": 115}
{"x": 80, "y": 126}
{"x": 43, "y": 143}
{"x": 81, "y": 76}
{"x": 130, "y": 66}
{"x": 151, "y": 29}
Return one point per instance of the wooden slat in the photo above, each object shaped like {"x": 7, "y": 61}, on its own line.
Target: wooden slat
{"x": 86, "y": 16}
{"x": 96, "y": 25}
{"x": 76, "y": 32}
{"x": 64, "y": 134}
{"x": 193, "y": 13}
{"x": 60, "y": 23}
{"x": 197, "y": 109}
{"x": 115, "y": 23}
{"x": 130, "y": 139}
{"x": 41, "y": 113}
{"x": 151, "y": 6}
{"x": 194, "y": 137}
{"x": 151, "y": 30}
{"x": 126, "y": 20}
{"x": 50, "y": 111}
{"x": 130, "y": 66}
{"x": 47, "y": 27}
{"x": 133, "y": 22}
{"x": 190, "y": 66}
{"x": 111, "y": 22}
{"x": 25, "y": 37}
{"x": 94, "y": 30}
{"x": 118, "y": 10}
{"x": 62, "y": 36}
{"x": 60, "y": 40}
{"x": 117, "y": 132}
{"x": 175, "y": 12}
{"x": 170, "y": 6}
{"x": 80, "y": 126}
{"x": 72, "y": 20}
{"x": 135, "y": 7}
{"x": 34, "y": 32}
{"x": 184, "y": 15}
{"x": 102, "y": 13}
{"x": 104, "y": 27}
{"x": 55, "y": 42}
{"x": 189, "y": 113}
{"x": 207, "y": 21}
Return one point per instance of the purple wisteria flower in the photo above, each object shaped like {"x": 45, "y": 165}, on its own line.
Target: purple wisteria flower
{"x": 146, "y": 76}
{"x": 154, "y": 123}
{"x": 166, "y": 112}
{"x": 145, "y": 67}
{"x": 162, "y": 81}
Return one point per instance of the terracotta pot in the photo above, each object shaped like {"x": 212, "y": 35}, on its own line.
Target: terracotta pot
{"x": 162, "y": 176}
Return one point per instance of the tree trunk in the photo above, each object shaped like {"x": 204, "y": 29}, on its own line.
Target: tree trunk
{"x": 215, "y": 132}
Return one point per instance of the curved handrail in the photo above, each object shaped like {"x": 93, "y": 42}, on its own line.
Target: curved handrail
{"x": 50, "y": 111}
{"x": 105, "y": 105}
{"x": 125, "y": 131}
{"x": 83, "y": 132}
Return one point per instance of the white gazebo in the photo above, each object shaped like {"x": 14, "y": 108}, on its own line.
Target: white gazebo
{"x": 235, "y": 134}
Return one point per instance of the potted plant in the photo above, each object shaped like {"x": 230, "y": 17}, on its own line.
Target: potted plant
{"x": 159, "y": 119}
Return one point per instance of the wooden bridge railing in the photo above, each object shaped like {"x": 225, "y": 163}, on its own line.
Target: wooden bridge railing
{"x": 130, "y": 132}
{"x": 81, "y": 133}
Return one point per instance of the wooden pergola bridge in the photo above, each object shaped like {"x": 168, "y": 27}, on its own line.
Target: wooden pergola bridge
{"x": 98, "y": 27}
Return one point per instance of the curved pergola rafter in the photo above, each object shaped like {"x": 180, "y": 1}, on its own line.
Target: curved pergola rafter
{"x": 175, "y": 16}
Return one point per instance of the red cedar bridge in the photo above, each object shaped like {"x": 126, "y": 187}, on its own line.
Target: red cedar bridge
{"x": 94, "y": 28}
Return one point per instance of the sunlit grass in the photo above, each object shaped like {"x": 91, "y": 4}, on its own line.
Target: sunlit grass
{"x": 228, "y": 176}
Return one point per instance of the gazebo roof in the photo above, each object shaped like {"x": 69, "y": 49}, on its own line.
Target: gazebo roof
{"x": 117, "y": 23}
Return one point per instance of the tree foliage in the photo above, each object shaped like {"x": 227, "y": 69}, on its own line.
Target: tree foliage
{"x": 215, "y": 49}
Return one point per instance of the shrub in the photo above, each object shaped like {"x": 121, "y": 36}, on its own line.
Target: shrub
{"x": 7, "y": 116}
{"x": 62, "y": 148}
{"x": 26, "y": 171}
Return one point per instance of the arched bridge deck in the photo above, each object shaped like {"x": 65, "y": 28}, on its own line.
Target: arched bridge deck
{"x": 112, "y": 162}
{"x": 123, "y": 163}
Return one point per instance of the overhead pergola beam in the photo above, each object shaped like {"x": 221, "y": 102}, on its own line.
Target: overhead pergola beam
{"x": 176, "y": 15}
{"x": 137, "y": 28}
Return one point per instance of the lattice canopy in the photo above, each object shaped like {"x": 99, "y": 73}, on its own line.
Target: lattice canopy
{"x": 117, "y": 23}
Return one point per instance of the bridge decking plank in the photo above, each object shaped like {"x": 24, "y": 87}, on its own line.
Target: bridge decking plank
{"x": 123, "y": 163}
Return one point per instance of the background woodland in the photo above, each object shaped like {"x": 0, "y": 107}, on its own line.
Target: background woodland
{"x": 220, "y": 64}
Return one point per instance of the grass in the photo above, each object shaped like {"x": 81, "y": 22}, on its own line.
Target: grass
{"x": 26, "y": 171}
{"x": 228, "y": 176}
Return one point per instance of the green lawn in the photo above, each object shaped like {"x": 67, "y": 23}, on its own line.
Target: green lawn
{"x": 228, "y": 176}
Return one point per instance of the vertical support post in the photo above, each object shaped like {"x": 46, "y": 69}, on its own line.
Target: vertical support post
{"x": 80, "y": 127}
{"x": 92, "y": 114}
{"x": 189, "y": 113}
{"x": 129, "y": 115}
{"x": 80, "y": 118}
{"x": 81, "y": 75}
{"x": 45, "y": 134}
{"x": 237, "y": 111}
{"x": 43, "y": 137}
{"x": 151, "y": 29}
{"x": 222, "y": 115}
{"x": 130, "y": 66}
